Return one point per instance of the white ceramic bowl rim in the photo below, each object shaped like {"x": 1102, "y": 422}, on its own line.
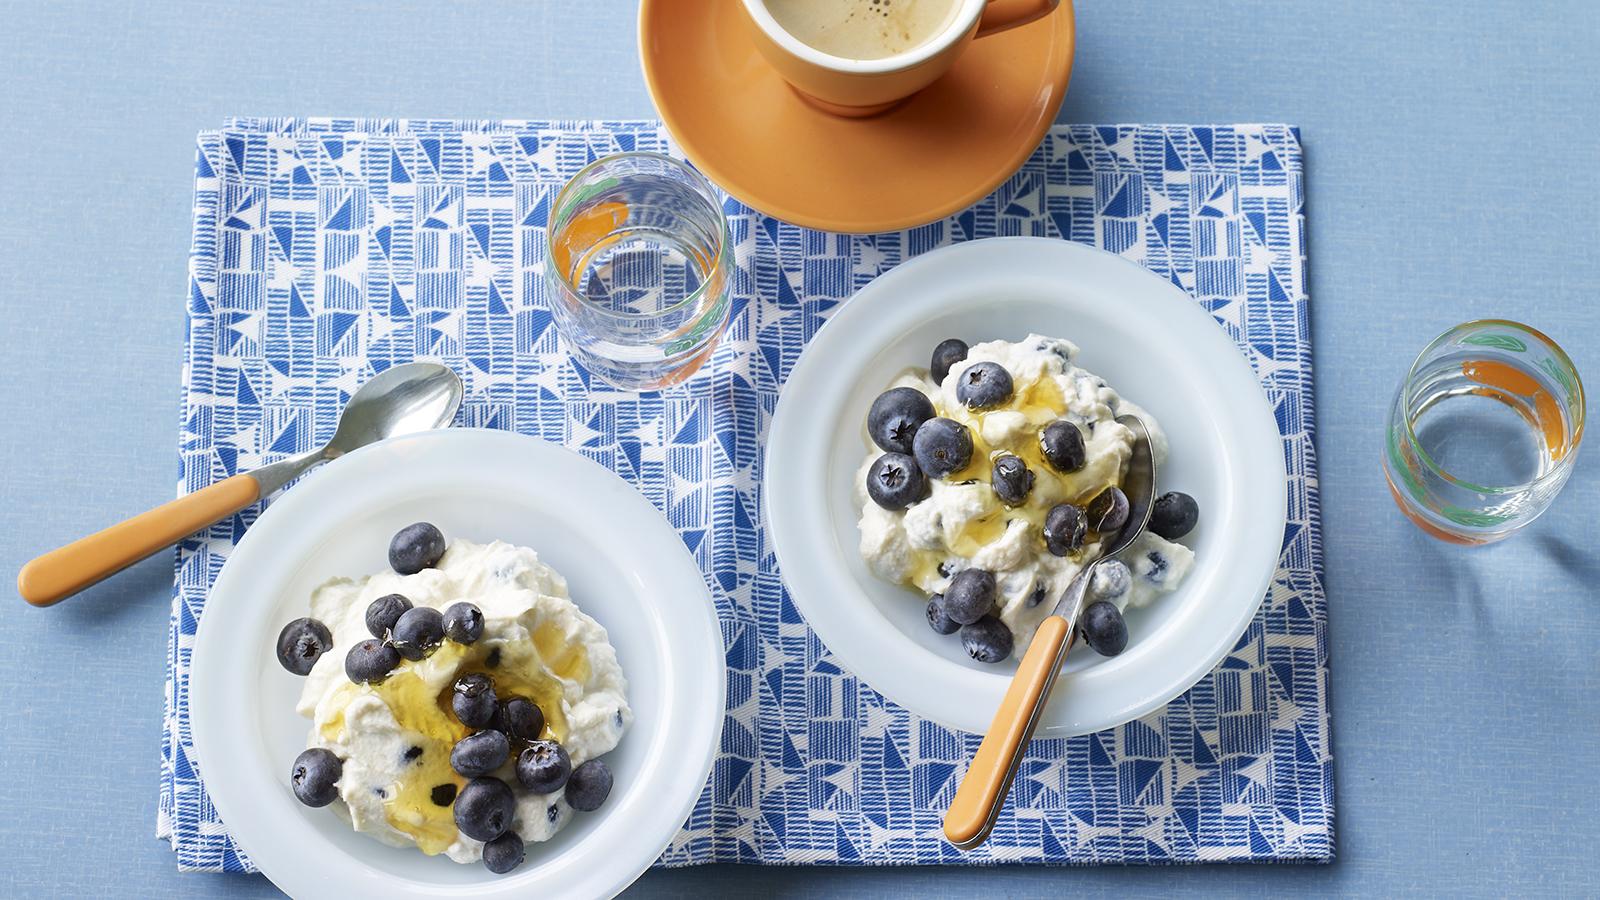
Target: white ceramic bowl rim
{"x": 663, "y": 594}
{"x": 959, "y": 24}
{"x": 816, "y": 440}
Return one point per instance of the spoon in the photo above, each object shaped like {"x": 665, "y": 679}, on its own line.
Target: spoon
{"x": 399, "y": 400}
{"x": 988, "y": 780}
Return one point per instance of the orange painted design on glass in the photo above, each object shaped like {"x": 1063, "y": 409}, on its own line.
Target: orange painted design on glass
{"x": 1499, "y": 376}
{"x": 584, "y": 231}
{"x": 1424, "y": 524}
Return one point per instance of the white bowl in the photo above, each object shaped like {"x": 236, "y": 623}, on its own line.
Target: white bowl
{"x": 1156, "y": 346}
{"x": 626, "y": 568}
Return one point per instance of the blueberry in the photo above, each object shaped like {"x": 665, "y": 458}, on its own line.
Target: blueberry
{"x": 301, "y": 643}
{"x": 370, "y": 661}
{"x": 589, "y": 786}
{"x": 1062, "y": 445}
{"x": 942, "y": 447}
{"x": 937, "y": 620}
{"x": 480, "y": 753}
{"x": 415, "y": 547}
{"x": 1158, "y": 567}
{"x": 315, "y": 777}
{"x": 443, "y": 794}
{"x": 1174, "y": 515}
{"x": 895, "y": 481}
{"x": 984, "y": 385}
{"x": 484, "y": 808}
{"x": 1012, "y": 480}
{"x": 519, "y": 718}
{"x": 1059, "y": 349}
{"x": 473, "y": 701}
{"x": 463, "y": 622}
{"x": 1063, "y": 529}
{"x": 543, "y": 767}
{"x": 384, "y": 613}
{"x": 504, "y": 853}
{"x": 1111, "y": 580}
{"x": 949, "y": 352}
{"x": 1103, "y": 628}
{"x": 987, "y": 640}
{"x": 1108, "y": 511}
{"x": 1041, "y": 591}
{"x": 418, "y": 633}
{"x": 895, "y": 417}
{"x": 970, "y": 596}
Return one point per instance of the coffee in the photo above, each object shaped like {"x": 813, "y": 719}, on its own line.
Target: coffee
{"x": 863, "y": 29}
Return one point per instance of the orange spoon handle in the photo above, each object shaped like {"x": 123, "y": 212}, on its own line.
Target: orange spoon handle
{"x": 62, "y": 572}
{"x": 983, "y": 791}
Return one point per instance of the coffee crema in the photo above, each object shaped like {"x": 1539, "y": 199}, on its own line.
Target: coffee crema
{"x": 863, "y": 29}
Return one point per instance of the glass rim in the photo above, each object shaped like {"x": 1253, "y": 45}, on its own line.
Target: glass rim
{"x": 701, "y": 184}
{"x": 1579, "y": 404}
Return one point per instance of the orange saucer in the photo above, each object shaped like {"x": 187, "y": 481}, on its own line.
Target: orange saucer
{"x": 933, "y": 155}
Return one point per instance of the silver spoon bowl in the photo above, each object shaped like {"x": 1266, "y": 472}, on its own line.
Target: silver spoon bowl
{"x": 399, "y": 400}
{"x": 1139, "y": 486}
{"x": 402, "y": 399}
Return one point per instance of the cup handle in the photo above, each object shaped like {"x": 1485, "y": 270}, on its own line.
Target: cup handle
{"x": 1001, "y": 15}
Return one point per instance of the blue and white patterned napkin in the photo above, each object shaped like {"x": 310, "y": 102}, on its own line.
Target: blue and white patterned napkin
{"x": 327, "y": 250}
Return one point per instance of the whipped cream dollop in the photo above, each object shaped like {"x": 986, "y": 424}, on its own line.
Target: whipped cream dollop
{"x": 395, "y": 737}
{"x": 962, "y": 523}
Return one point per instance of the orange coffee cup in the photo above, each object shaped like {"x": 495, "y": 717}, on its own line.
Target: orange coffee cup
{"x": 863, "y": 87}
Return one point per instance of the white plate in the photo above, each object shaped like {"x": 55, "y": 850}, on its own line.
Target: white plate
{"x": 1155, "y": 346}
{"x": 626, "y": 568}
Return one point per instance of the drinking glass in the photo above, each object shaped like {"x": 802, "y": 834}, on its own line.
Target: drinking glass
{"x": 638, "y": 264}
{"x": 1483, "y": 431}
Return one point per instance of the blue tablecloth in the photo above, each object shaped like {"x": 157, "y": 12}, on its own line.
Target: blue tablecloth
{"x": 327, "y": 250}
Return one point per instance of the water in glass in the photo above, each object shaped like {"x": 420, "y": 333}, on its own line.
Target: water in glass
{"x": 638, "y": 268}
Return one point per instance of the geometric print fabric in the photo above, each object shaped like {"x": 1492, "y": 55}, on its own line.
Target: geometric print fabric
{"x": 326, "y": 250}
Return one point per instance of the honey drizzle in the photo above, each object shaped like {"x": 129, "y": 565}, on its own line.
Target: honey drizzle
{"x": 537, "y": 670}
{"x": 1040, "y": 403}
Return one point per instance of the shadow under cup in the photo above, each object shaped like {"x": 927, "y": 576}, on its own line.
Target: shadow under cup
{"x": 638, "y": 262}
{"x": 1483, "y": 432}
